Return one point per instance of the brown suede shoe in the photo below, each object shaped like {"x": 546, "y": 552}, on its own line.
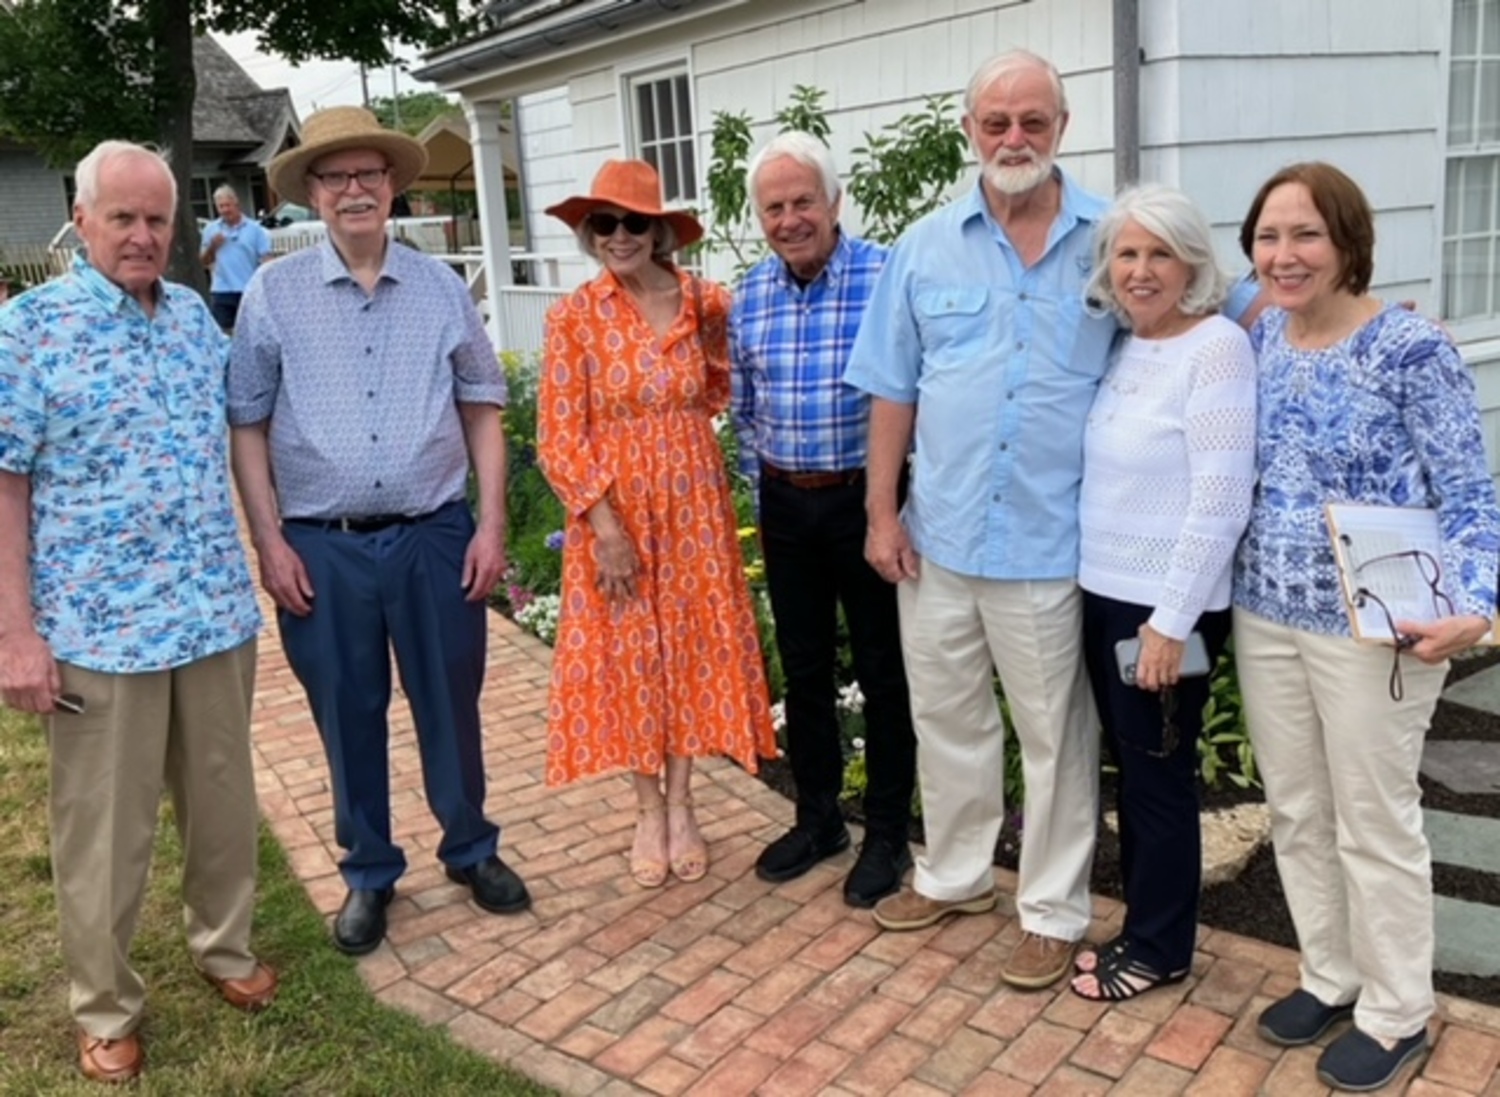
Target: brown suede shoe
{"x": 908, "y": 910}
{"x": 1038, "y": 961}
{"x": 253, "y": 993}
{"x": 104, "y": 1060}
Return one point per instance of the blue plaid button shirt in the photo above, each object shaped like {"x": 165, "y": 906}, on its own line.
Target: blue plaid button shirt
{"x": 789, "y": 345}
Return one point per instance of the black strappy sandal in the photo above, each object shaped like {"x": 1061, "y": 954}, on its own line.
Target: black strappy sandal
{"x": 1119, "y": 977}
{"x": 1115, "y": 946}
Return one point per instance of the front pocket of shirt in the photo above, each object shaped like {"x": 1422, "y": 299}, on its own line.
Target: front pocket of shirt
{"x": 951, "y": 319}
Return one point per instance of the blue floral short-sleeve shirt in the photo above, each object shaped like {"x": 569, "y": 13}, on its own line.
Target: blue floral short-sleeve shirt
{"x": 118, "y": 420}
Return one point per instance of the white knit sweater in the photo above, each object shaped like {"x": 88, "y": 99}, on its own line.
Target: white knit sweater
{"x": 1169, "y": 465}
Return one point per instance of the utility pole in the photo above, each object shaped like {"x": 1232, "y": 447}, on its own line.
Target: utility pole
{"x": 364, "y": 85}
{"x": 395, "y": 97}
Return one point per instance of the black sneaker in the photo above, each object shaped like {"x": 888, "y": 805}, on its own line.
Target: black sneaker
{"x": 1357, "y": 1062}
{"x": 1300, "y": 1018}
{"x": 877, "y": 872}
{"x": 798, "y": 850}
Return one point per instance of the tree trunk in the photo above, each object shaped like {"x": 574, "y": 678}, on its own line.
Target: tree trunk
{"x": 171, "y": 24}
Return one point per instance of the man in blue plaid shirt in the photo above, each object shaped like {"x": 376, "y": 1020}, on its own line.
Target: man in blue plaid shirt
{"x": 802, "y": 440}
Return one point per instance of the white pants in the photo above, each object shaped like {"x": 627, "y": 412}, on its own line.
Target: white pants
{"x": 1339, "y": 759}
{"x": 955, "y": 630}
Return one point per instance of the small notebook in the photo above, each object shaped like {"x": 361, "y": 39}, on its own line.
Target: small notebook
{"x": 1390, "y": 565}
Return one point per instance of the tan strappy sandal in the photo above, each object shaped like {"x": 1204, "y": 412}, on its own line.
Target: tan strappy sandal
{"x": 693, "y": 864}
{"x": 645, "y": 872}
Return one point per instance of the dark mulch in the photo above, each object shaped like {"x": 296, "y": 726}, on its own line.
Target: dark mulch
{"x": 1253, "y": 905}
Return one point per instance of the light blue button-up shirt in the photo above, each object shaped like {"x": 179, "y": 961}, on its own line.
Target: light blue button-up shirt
{"x": 362, "y": 390}
{"x": 238, "y": 257}
{"x": 1002, "y": 363}
{"x": 117, "y": 419}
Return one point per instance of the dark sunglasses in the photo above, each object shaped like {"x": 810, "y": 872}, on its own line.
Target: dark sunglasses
{"x": 604, "y": 224}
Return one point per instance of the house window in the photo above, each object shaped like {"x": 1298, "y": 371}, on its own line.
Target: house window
{"x": 200, "y": 197}
{"x": 1471, "y": 208}
{"x": 661, "y": 119}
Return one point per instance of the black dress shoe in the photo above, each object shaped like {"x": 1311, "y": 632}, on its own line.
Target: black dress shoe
{"x": 496, "y": 888}
{"x": 798, "y": 850}
{"x": 360, "y": 925}
{"x": 877, "y": 872}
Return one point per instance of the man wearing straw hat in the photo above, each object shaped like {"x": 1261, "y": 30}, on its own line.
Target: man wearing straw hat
{"x": 362, "y": 390}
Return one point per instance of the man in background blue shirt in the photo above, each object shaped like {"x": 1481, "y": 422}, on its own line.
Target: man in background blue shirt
{"x": 362, "y": 387}
{"x": 127, "y": 617}
{"x": 233, "y": 246}
{"x": 978, "y": 321}
{"x": 802, "y": 437}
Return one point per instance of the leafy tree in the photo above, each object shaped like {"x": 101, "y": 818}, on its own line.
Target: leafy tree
{"x": 414, "y": 109}
{"x": 76, "y": 72}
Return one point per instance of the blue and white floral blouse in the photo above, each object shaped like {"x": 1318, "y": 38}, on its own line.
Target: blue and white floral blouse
{"x": 1388, "y": 416}
{"x": 118, "y": 420}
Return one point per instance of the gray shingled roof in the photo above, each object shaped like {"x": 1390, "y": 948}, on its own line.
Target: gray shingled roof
{"x": 231, "y": 109}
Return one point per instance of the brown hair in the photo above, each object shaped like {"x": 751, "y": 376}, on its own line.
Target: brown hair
{"x": 1341, "y": 204}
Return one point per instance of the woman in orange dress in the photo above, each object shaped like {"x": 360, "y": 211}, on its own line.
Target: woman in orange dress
{"x": 657, "y": 659}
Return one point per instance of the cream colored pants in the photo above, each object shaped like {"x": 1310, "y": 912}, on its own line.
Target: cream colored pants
{"x": 955, "y": 632}
{"x": 1339, "y": 759}
{"x": 187, "y": 729}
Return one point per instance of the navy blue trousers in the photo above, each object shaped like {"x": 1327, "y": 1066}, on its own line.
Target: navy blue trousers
{"x": 1161, "y": 843}
{"x": 396, "y": 588}
{"x": 814, "y": 543}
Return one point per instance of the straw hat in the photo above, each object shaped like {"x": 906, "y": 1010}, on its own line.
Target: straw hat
{"x": 334, "y": 130}
{"x": 633, "y": 186}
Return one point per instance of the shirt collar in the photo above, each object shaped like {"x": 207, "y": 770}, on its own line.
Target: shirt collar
{"x": 394, "y": 266}
{"x": 107, "y": 293}
{"x": 832, "y": 271}
{"x": 1077, "y": 207}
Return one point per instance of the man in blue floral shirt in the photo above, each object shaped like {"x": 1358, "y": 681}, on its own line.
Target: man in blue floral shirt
{"x": 127, "y": 618}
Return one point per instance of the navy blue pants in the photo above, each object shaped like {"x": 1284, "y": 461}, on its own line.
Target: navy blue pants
{"x": 396, "y": 588}
{"x": 226, "y": 308}
{"x": 1161, "y": 844}
{"x": 814, "y": 543}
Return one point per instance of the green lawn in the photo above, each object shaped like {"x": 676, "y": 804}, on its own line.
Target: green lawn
{"x": 324, "y": 1035}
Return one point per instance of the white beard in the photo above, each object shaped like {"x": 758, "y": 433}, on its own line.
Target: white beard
{"x": 1021, "y": 179}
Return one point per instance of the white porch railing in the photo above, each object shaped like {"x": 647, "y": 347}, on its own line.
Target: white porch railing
{"x": 523, "y": 315}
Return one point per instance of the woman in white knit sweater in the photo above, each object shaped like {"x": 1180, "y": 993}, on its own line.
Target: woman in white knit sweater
{"x": 1169, "y": 464}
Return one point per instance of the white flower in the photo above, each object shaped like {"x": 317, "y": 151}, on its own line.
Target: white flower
{"x": 851, "y": 699}
{"x": 539, "y": 616}
{"x": 778, "y": 715}
{"x": 857, "y": 743}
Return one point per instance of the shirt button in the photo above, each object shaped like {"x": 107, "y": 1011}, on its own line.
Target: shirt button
{"x": 371, "y": 394}
{"x": 374, "y": 437}
{"x": 1020, "y": 346}
{"x": 1023, "y": 297}
{"x": 369, "y": 350}
{"x": 995, "y": 498}
{"x": 1004, "y": 446}
{"x": 378, "y": 484}
{"x": 1010, "y": 395}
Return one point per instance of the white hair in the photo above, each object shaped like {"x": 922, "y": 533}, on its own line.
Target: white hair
{"x": 86, "y": 174}
{"x": 806, "y": 150}
{"x": 1005, "y": 65}
{"x": 1168, "y": 213}
{"x": 224, "y": 190}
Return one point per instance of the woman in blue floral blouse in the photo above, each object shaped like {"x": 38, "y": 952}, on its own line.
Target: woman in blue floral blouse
{"x": 1365, "y": 402}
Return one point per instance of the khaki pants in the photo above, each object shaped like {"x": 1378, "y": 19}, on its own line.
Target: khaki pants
{"x": 953, "y": 629}
{"x": 1339, "y": 759}
{"x": 187, "y": 729}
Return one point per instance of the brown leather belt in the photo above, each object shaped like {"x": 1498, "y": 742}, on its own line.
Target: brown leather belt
{"x": 813, "y": 480}
{"x": 372, "y": 523}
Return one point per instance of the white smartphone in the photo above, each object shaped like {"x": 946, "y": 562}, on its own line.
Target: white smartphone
{"x": 1194, "y": 657}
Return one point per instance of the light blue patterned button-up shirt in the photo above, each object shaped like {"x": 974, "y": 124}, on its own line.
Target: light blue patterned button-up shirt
{"x": 117, "y": 418}
{"x": 1002, "y": 363}
{"x": 362, "y": 390}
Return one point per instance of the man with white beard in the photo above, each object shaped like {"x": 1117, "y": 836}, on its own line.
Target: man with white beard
{"x": 978, "y": 320}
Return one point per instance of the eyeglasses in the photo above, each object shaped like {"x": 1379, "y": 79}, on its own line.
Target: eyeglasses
{"x": 338, "y": 181}
{"x": 604, "y": 224}
{"x": 1032, "y": 125}
{"x": 1432, "y": 574}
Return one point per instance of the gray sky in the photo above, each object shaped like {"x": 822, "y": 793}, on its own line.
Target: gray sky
{"x": 316, "y": 83}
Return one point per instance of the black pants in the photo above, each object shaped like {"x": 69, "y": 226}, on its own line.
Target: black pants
{"x": 814, "y": 541}
{"x": 1161, "y": 854}
{"x": 226, "y": 308}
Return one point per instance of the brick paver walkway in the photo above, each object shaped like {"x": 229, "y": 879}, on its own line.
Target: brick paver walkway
{"x": 734, "y": 986}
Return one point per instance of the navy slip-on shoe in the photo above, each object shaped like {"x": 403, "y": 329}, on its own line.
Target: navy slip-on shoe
{"x": 1357, "y": 1062}
{"x": 1299, "y": 1018}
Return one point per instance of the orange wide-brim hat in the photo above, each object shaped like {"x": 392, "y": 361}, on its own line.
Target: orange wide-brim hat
{"x": 633, "y": 186}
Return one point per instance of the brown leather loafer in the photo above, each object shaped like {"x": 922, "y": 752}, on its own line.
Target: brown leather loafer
{"x": 908, "y": 910}
{"x": 1038, "y": 961}
{"x": 253, "y": 993}
{"x": 104, "y": 1060}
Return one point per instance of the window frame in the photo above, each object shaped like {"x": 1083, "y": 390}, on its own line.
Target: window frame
{"x": 657, "y": 71}
{"x": 1486, "y": 326}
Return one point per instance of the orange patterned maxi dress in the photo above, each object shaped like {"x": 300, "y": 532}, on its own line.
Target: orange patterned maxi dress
{"x": 676, "y": 671}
